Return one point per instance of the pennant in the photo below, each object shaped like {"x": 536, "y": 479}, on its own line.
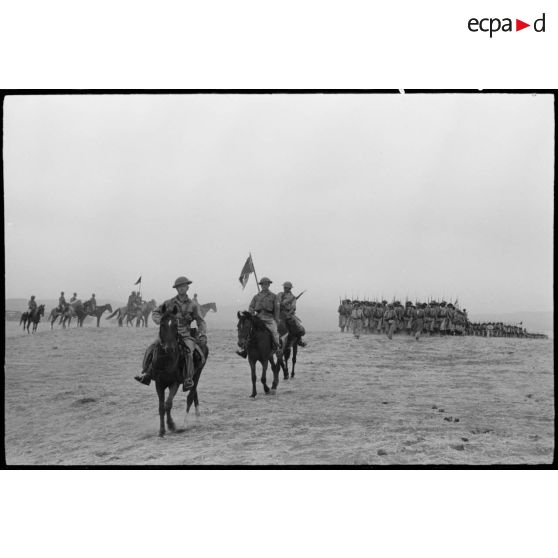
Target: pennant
{"x": 138, "y": 281}
{"x": 246, "y": 270}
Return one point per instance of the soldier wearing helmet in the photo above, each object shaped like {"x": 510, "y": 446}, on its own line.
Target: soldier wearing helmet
{"x": 289, "y": 322}
{"x": 32, "y": 304}
{"x": 266, "y": 306}
{"x": 61, "y": 302}
{"x": 187, "y": 312}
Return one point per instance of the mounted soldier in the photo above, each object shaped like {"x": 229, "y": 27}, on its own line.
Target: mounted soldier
{"x": 288, "y": 320}
{"x": 74, "y": 298}
{"x": 191, "y": 341}
{"x": 32, "y": 306}
{"x": 61, "y": 302}
{"x": 265, "y": 305}
{"x": 90, "y": 305}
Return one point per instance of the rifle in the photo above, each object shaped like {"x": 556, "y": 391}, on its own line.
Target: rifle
{"x": 297, "y": 297}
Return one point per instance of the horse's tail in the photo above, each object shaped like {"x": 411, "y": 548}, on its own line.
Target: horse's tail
{"x": 113, "y": 314}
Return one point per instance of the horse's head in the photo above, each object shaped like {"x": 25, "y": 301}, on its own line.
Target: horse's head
{"x": 244, "y": 326}
{"x": 109, "y": 307}
{"x": 168, "y": 328}
{"x": 41, "y": 310}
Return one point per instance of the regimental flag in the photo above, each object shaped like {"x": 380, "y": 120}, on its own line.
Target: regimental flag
{"x": 138, "y": 281}
{"x": 246, "y": 270}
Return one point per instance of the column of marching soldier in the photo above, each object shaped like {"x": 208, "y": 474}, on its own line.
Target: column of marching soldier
{"x": 419, "y": 318}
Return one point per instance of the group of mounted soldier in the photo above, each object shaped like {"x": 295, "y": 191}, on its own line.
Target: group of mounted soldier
{"x": 419, "y": 318}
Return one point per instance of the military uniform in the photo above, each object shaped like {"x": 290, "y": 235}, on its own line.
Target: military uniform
{"x": 74, "y": 298}
{"x": 357, "y": 319}
{"x": 266, "y": 306}
{"x": 92, "y": 303}
{"x": 187, "y": 311}
{"x": 32, "y": 305}
{"x": 61, "y": 302}
{"x": 390, "y": 318}
{"x": 287, "y": 313}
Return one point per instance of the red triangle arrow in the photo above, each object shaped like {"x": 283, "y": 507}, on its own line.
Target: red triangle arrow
{"x": 519, "y": 25}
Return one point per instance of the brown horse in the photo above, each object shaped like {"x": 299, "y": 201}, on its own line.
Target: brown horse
{"x": 253, "y": 333}
{"x": 205, "y": 308}
{"x": 55, "y": 313}
{"x": 73, "y": 310}
{"x": 142, "y": 314}
{"x": 120, "y": 314}
{"x": 33, "y": 317}
{"x": 167, "y": 363}
{"x": 98, "y": 312}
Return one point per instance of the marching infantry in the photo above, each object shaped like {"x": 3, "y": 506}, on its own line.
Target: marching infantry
{"x": 432, "y": 318}
{"x": 187, "y": 311}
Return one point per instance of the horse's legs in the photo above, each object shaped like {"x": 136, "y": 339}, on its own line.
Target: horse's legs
{"x": 168, "y": 406}
{"x": 295, "y": 351}
{"x": 275, "y": 370}
{"x": 253, "y": 370}
{"x": 264, "y": 378}
{"x": 98, "y": 321}
{"x": 161, "y": 395}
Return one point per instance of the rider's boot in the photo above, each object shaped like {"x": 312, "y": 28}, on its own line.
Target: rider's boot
{"x": 188, "y": 373}
{"x": 243, "y": 352}
{"x": 147, "y": 373}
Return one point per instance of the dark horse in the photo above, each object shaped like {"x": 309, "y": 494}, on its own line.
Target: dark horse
{"x": 33, "y": 317}
{"x": 253, "y": 332}
{"x": 290, "y": 337}
{"x": 167, "y": 365}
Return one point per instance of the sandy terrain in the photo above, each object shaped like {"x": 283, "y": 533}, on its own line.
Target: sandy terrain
{"x": 70, "y": 399}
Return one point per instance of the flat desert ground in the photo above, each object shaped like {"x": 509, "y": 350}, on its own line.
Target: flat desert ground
{"x": 70, "y": 399}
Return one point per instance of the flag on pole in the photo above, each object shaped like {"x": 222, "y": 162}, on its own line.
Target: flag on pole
{"x": 246, "y": 270}
{"x": 138, "y": 281}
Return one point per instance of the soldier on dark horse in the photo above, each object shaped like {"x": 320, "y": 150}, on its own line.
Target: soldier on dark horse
{"x": 187, "y": 311}
{"x": 179, "y": 354}
{"x": 291, "y": 329}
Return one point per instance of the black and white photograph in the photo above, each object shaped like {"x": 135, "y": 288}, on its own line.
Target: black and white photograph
{"x": 279, "y": 278}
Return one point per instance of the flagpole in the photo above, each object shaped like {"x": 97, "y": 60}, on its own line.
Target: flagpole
{"x": 254, "y": 268}
{"x": 139, "y": 292}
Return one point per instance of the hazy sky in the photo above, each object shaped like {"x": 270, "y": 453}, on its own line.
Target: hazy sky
{"x": 357, "y": 195}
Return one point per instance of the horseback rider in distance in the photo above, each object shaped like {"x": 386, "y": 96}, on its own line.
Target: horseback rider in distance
{"x": 61, "y": 302}
{"x": 187, "y": 311}
{"x": 265, "y": 305}
{"x": 32, "y": 305}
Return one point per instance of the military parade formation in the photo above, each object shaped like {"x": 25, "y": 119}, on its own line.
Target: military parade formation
{"x": 419, "y": 318}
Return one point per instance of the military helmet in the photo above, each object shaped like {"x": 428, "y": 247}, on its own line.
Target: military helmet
{"x": 384, "y": 301}
{"x": 181, "y": 281}
{"x": 265, "y": 280}
{"x": 32, "y": 296}
{"x": 75, "y": 294}
{"x": 443, "y": 303}
{"x": 288, "y": 284}
{"x": 62, "y": 293}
